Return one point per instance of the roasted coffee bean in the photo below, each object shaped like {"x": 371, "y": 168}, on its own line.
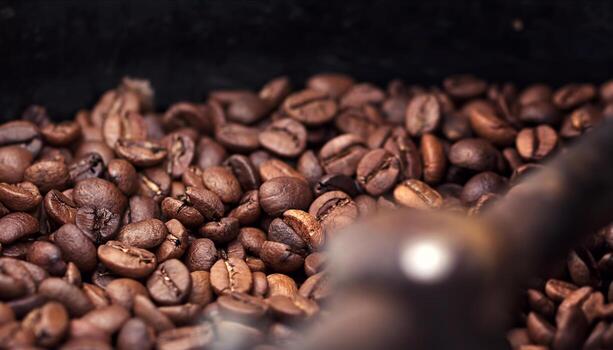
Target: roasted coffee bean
{"x": 280, "y": 284}
{"x": 181, "y": 150}
{"x": 181, "y": 210}
{"x": 190, "y": 337}
{"x": 557, "y": 290}
{"x": 23, "y": 196}
{"x": 231, "y": 275}
{"x": 48, "y": 323}
{"x": 260, "y": 284}
{"x": 154, "y": 183}
{"x": 316, "y": 287}
{"x": 282, "y": 193}
{"x": 242, "y": 307}
{"x": 170, "y": 283}
{"x": 334, "y": 210}
{"x": 406, "y": 151}
{"x": 377, "y": 171}
{"x": 85, "y": 167}
{"x": 75, "y": 301}
{"x": 237, "y": 137}
{"x": 284, "y": 137}
{"x": 464, "y": 86}
{"x": 175, "y": 243}
{"x": 252, "y": 239}
{"x": 361, "y": 121}
{"x": 310, "y": 107}
{"x": 540, "y": 303}
{"x": 481, "y": 184}
{"x": 61, "y": 134}
{"x": 16, "y": 226}
{"x": 474, "y": 154}
{"x": 246, "y": 173}
{"x": 273, "y": 92}
{"x": 336, "y": 182}
{"x": 539, "y": 330}
{"x": 122, "y": 291}
{"x": 201, "y": 292}
{"x": 418, "y": 195}
{"x": 423, "y": 114}
{"x": 99, "y": 225}
{"x": 140, "y": 153}
{"x": 314, "y": 263}
{"x": 361, "y": 94}
{"x": 456, "y": 126}
{"x": 126, "y": 260}
{"x": 537, "y": 143}
{"x": 60, "y": 208}
{"x": 108, "y": 318}
{"x": 434, "y": 159}
{"x": 572, "y": 329}
{"x": 123, "y": 175}
{"x": 14, "y": 336}
{"x": 206, "y": 202}
{"x": 143, "y": 234}
{"x": 271, "y": 168}
{"x": 308, "y": 165}
{"x": 209, "y": 153}
{"x": 187, "y": 114}
{"x": 14, "y": 161}
{"x": 306, "y": 226}
{"x": 491, "y": 127}
{"x": 221, "y": 181}
{"x": 342, "y": 154}
{"x": 572, "y": 95}
{"x": 539, "y": 112}
{"x": 48, "y": 256}
{"x": 48, "y": 175}
{"x": 222, "y": 231}
{"x": 99, "y": 147}
{"x": 280, "y": 257}
{"x": 248, "y": 209}
{"x": 332, "y": 84}
{"x": 201, "y": 255}
{"x": 100, "y": 194}
{"x": 243, "y": 107}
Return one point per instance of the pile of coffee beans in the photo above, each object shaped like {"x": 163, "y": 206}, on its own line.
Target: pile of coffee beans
{"x": 205, "y": 225}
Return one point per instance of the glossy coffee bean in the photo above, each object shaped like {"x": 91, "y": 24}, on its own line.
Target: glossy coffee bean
{"x": 126, "y": 260}
{"x": 201, "y": 255}
{"x": 282, "y": 193}
{"x": 143, "y": 234}
{"x": 342, "y": 154}
{"x": 537, "y": 143}
{"x": 284, "y": 137}
{"x": 170, "y": 283}
{"x": 311, "y": 107}
{"x": 418, "y": 195}
{"x": 377, "y": 171}
{"x": 423, "y": 115}
{"x": 231, "y": 275}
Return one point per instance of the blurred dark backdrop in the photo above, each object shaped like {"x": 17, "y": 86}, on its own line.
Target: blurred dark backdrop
{"x": 62, "y": 54}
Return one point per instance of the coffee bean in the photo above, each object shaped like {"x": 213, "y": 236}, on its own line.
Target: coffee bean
{"x": 434, "y": 159}
{"x": 154, "y": 183}
{"x": 85, "y": 167}
{"x": 402, "y": 147}
{"x": 282, "y": 193}
{"x": 189, "y": 337}
{"x": 540, "y": 303}
{"x": 310, "y": 107}
{"x": 242, "y": 307}
{"x": 182, "y": 210}
{"x": 14, "y": 335}
{"x": 47, "y": 175}
{"x": 491, "y": 127}
{"x": 187, "y": 114}
{"x": 201, "y": 292}
{"x": 48, "y": 324}
{"x": 60, "y": 208}
{"x": 539, "y": 112}
{"x": 99, "y": 225}
{"x": 308, "y": 165}
{"x": 474, "y": 154}
{"x": 14, "y": 161}
{"x": 100, "y": 194}
{"x": 481, "y": 184}
{"x": 280, "y": 284}
{"x": 260, "y": 283}
{"x": 16, "y": 226}
{"x": 572, "y": 329}
{"x": 273, "y": 92}
{"x": 201, "y": 255}
{"x": 284, "y": 137}
{"x": 423, "y": 114}
{"x": 180, "y": 152}
{"x": 332, "y": 84}
{"x": 143, "y": 234}
{"x": 170, "y": 283}
{"x": 314, "y": 263}
{"x": 557, "y": 290}
{"x": 231, "y": 275}
{"x": 572, "y": 95}
{"x": 140, "y": 153}
{"x": 361, "y": 121}
{"x": 334, "y": 210}
{"x": 126, "y": 260}
{"x": 377, "y": 171}
{"x": 416, "y": 194}
{"x": 540, "y": 331}
{"x": 464, "y": 86}
{"x": 206, "y": 202}
{"x": 222, "y": 231}
{"x": 237, "y": 137}
{"x": 271, "y": 168}
{"x": 342, "y": 154}
{"x": 248, "y": 210}
{"x": 246, "y": 173}
{"x": 209, "y": 153}
{"x": 75, "y": 301}
{"x": 316, "y": 287}
{"x": 336, "y": 182}
{"x": 23, "y": 196}
{"x": 48, "y": 256}
{"x": 456, "y": 126}
{"x": 122, "y": 291}
{"x": 537, "y": 143}
{"x": 123, "y": 175}
{"x": 361, "y": 94}
{"x": 175, "y": 243}
{"x": 280, "y": 257}
{"x": 221, "y": 181}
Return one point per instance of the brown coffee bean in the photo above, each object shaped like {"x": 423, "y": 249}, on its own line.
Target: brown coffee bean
{"x": 314, "y": 263}
{"x": 332, "y": 84}
{"x": 246, "y": 173}
{"x": 146, "y": 310}
{"x": 280, "y": 257}
{"x": 170, "y": 283}
{"x": 456, "y": 126}
{"x": 99, "y": 194}
{"x": 96, "y": 295}
{"x": 14, "y": 161}
{"x": 572, "y": 95}
{"x": 464, "y": 86}
{"x": 123, "y": 175}
{"x": 280, "y": 231}
{"x": 47, "y": 175}
{"x": 252, "y": 239}
{"x": 434, "y": 159}
{"x": 377, "y": 171}
{"x": 408, "y": 154}
{"x": 316, "y": 287}
{"x": 572, "y": 329}
{"x": 48, "y": 256}
{"x": 336, "y": 182}
{"x": 231, "y": 275}
{"x": 361, "y": 121}
{"x": 14, "y": 335}
{"x": 557, "y": 290}
{"x": 73, "y": 298}
{"x": 23, "y": 196}
{"x": 260, "y": 284}
{"x": 222, "y": 231}
{"x": 88, "y": 166}
{"x": 248, "y": 210}
{"x": 206, "y": 202}
{"x": 99, "y": 225}
{"x": 282, "y": 193}
{"x": 181, "y": 150}
{"x": 280, "y": 284}
{"x": 99, "y": 147}
{"x": 17, "y": 226}
{"x": 482, "y": 184}
{"x": 189, "y": 337}
{"x": 342, "y": 154}
{"x": 242, "y": 307}
{"x": 537, "y": 143}
{"x": 271, "y": 168}
{"x": 310, "y": 107}
{"x": 308, "y": 165}
{"x": 540, "y": 331}
{"x": 175, "y": 243}
{"x": 237, "y": 137}
{"x": 143, "y": 234}
{"x": 361, "y": 94}
{"x": 423, "y": 115}
{"x": 274, "y": 91}
{"x": 126, "y": 260}
{"x": 61, "y": 134}
{"x": 60, "y": 208}
{"x": 221, "y": 181}
{"x": 48, "y": 324}
{"x": 539, "y": 112}
{"x": 181, "y": 210}
{"x": 491, "y": 127}
{"x": 108, "y": 318}
{"x": 416, "y": 194}
{"x": 306, "y": 226}
{"x": 201, "y": 255}
{"x": 284, "y": 137}
{"x": 540, "y": 303}
{"x": 154, "y": 183}
{"x": 140, "y": 153}
{"x": 201, "y": 292}
{"x": 187, "y": 114}
{"x": 209, "y": 153}
{"x": 122, "y": 291}
{"x": 474, "y": 154}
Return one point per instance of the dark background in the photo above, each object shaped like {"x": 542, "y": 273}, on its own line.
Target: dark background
{"x": 63, "y": 54}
